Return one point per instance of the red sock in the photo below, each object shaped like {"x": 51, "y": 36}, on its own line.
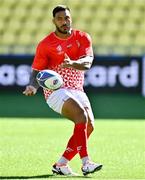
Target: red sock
{"x": 71, "y": 149}
{"x": 80, "y": 135}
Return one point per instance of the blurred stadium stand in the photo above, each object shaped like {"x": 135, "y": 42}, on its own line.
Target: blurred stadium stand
{"x": 116, "y": 26}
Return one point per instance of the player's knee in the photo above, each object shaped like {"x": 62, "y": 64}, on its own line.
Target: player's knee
{"x": 90, "y": 129}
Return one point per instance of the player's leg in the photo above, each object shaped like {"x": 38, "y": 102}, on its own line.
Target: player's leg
{"x": 80, "y": 136}
{"x": 90, "y": 166}
{"x": 71, "y": 151}
{"x": 74, "y": 111}
{"x": 62, "y": 101}
{"x": 57, "y": 106}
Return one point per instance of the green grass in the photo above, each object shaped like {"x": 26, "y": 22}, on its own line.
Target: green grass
{"x": 29, "y": 147}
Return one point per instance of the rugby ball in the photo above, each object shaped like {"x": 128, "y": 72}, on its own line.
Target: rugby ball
{"x": 49, "y": 79}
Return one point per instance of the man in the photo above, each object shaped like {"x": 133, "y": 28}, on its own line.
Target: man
{"x": 68, "y": 52}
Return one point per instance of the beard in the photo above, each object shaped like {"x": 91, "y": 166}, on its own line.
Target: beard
{"x": 67, "y": 31}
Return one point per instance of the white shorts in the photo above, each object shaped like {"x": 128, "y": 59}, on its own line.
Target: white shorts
{"x": 58, "y": 97}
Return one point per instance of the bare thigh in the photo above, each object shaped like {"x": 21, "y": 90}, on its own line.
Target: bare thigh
{"x": 84, "y": 101}
{"x": 74, "y": 111}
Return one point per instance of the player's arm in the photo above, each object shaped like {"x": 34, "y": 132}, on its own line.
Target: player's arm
{"x": 31, "y": 89}
{"x": 40, "y": 63}
{"x": 83, "y": 63}
{"x": 85, "y": 54}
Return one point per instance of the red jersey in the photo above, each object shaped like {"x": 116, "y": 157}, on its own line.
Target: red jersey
{"x": 50, "y": 55}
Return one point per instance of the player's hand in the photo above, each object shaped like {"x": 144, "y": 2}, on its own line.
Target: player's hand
{"x": 30, "y": 91}
{"x": 67, "y": 61}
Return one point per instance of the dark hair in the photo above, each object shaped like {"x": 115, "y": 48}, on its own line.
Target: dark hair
{"x": 59, "y": 8}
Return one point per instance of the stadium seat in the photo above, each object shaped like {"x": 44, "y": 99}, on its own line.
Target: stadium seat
{"x": 113, "y": 24}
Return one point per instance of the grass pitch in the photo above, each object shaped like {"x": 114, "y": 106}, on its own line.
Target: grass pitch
{"x": 29, "y": 148}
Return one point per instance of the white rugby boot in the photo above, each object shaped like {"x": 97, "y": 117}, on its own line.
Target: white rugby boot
{"x": 91, "y": 167}
{"x": 63, "y": 169}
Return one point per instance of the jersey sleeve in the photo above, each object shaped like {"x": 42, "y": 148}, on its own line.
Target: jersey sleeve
{"x": 40, "y": 61}
{"x": 85, "y": 46}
